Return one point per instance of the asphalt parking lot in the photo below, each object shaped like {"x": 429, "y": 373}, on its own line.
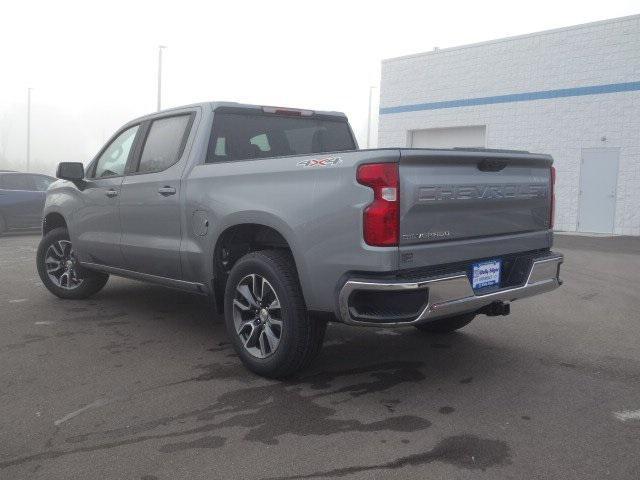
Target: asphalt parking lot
{"x": 139, "y": 382}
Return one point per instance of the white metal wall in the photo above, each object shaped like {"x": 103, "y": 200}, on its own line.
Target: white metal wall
{"x": 472, "y": 136}
{"x": 576, "y": 64}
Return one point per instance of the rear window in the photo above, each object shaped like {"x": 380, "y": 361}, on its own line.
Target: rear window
{"x": 242, "y": 136}
{"x": 42, "y": 182}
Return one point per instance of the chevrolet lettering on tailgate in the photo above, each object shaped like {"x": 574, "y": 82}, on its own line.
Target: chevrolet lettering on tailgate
{"x": 435, "y": 193}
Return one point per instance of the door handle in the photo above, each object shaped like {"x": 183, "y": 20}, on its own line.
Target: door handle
{"x": 166, "y": 191}
{"x": 111, "y": 193}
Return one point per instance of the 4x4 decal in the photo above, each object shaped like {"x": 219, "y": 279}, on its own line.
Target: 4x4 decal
{"x": 320, "y": 162}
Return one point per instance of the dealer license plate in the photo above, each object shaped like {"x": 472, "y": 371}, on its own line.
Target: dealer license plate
{"x": 486, "y": 274}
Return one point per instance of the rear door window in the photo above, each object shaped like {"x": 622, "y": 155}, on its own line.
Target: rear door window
{"x": 164, "y": 144}
{"x": 242, "y": 136}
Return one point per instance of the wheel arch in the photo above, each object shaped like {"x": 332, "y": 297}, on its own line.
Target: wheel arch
{"x": 53, "y": 220}
{"x": 237, "y": 240}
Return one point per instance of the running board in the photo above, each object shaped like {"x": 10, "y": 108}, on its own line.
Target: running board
{"x": 146, "y": 277}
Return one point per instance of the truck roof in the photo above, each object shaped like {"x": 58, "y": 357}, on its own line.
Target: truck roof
{"x": 214, "y": 105}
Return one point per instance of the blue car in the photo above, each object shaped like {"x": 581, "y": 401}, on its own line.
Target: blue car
{"x": 22, "y": 200}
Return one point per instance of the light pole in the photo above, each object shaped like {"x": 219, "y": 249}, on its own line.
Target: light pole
{"x": 28, "y": 126}
{"x": 369, "y": 117}
{"x": 160, "y": 48}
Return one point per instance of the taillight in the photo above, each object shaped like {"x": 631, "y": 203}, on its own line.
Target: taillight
{"x": 552, "y": 214}
{"x": 382, "y": 216}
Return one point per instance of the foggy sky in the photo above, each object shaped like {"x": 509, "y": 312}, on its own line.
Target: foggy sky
{"x": 93, "y": 65}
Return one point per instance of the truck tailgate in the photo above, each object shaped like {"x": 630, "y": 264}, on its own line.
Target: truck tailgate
{"x": 458, "y": 195}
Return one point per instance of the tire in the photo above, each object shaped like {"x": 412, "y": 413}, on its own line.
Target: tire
{"x": 56, "y": 247}
{"x": 446, "y": 325}
{"x": 285, "y": 339}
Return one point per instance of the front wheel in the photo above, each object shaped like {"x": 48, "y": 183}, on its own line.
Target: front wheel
{"x": 59, "y": 269}
{"x": 266, "y": 317}
{"x": 446, "y": 325}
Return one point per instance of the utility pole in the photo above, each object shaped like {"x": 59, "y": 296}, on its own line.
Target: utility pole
{"x": 369, "y": 117}
{"x": 28, "y": 126}
{"x": 160, "y": 48}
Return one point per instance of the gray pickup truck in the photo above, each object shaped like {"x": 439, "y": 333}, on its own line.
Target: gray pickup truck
{"x": 276, "y": 215}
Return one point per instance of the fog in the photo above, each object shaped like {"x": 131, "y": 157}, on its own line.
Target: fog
{"x": 93, "y": 65}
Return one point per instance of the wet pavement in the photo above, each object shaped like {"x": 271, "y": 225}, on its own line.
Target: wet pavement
{"x": 140, "y": 382}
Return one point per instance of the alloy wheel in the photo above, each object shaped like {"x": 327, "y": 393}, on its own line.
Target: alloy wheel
{"x": 61, "y": 265}
{"x": 257, "y": 315}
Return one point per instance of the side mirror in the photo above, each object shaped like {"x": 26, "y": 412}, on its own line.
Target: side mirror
{"x": 73, "y": 171}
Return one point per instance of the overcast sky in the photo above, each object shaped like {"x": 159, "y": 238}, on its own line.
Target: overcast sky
{"x": 93, "y": 65}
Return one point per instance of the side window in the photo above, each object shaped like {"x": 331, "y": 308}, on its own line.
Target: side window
{"x": 262, "y": 142}
{"x": 114, "y": 158}
{"x": 221, "y": 147}
{"x": 17, "y": 182}
{"x": 164, "y": 144}
{"x": 42, "y": 183}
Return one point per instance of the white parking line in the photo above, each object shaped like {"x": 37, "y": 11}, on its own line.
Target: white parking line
{"x": 98, "y": 403}
{"x": 18, "y": 300}
{"x": 45, "y": 322}
{"x": 627, "y": 415}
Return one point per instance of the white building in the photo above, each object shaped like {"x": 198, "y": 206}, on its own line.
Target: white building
{"x": 572, "y": 92}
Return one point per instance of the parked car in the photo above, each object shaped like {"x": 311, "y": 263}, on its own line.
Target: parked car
{"x": 279, "y": 217}
{"x": 22, "y": 198}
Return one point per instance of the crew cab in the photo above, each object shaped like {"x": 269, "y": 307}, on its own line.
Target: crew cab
{"x": 278, "y": 216}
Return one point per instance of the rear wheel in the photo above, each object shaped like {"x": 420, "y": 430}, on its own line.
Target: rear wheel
{"x": 60, "y": 271}
{"x": 446, "y": 325}
{"x": 266, "y": 316}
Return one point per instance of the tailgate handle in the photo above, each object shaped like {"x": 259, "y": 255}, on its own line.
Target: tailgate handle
{"x": 489, "y": 165}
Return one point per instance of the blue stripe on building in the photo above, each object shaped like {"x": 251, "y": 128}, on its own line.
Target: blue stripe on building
{"x": 516, "y": 97}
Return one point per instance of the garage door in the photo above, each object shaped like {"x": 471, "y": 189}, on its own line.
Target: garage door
{"x": 472, "y": 136}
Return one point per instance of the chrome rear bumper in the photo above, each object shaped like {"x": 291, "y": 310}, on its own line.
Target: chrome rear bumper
{"x": 453, "y": 294}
